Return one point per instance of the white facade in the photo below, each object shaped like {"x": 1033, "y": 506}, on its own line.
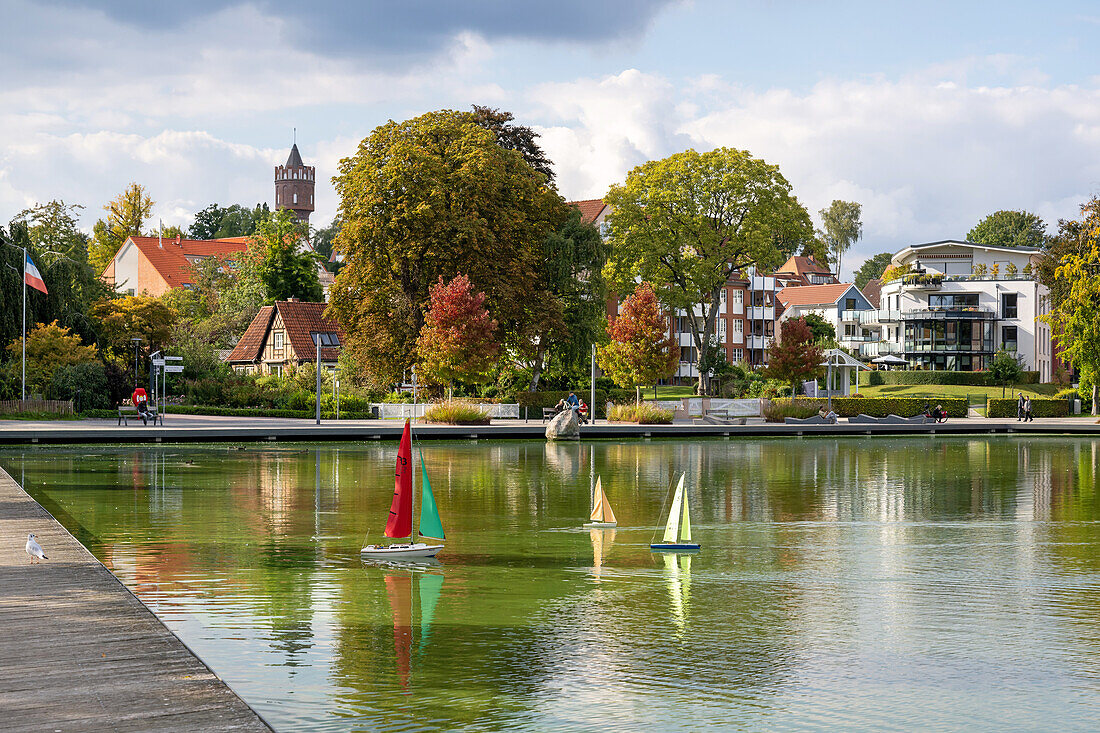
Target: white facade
{"x": 958, "y": 303}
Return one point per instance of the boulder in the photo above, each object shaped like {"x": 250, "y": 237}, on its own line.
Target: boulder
{"x": 564, "y": 426}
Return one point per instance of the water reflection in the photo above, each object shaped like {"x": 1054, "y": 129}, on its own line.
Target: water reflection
{"x": 919, "y": 582}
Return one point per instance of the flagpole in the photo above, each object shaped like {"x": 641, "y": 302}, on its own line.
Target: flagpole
{"x": 23, "y": 393}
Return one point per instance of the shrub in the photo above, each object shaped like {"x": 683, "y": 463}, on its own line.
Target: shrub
{"x": 85, "y": 384}
{"x": 643, "y": 414}
{"x": 454, "y": 412}
{"x": 1039, "y": 408}
{"x": 777, "y": 410}
{"x": 873, "y": 406}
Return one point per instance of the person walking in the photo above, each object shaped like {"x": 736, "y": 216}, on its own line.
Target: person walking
{"x": 1027, "y": 410}
{"x": 1019, "y": 406}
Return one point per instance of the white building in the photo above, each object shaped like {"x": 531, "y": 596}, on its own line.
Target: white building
{"x": 957, "y": 303}
{"x": 842, "y": 305}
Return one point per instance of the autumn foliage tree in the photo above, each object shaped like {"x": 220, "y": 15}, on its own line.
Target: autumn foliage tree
{"x": 120, "y": 319}
{"x": 794, "y": 357}
{"x": 641, "y": 351}
{"x": 459, "y": 340}
{"x": 49, "y": 347}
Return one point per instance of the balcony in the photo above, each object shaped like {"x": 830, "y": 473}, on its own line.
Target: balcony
{"x": 758, "y": 342}
{"x": 885, "y": 315}
{"x": 761, "y": 313}
{"x": 852, "y": 316}
{"x": 857, "y": 338}
{"x": 950, "y": 313}
{"x": 922, "y": 281}
{"x": 879, "y": 348}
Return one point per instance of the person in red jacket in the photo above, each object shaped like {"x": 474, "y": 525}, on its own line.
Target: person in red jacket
{"x": 141, "y": 402}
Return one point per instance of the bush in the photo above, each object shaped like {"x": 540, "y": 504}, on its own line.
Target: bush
{"x": 1039, "y": 408}
{"x": 643, "y": 414}
{"x": 911, "y": 378}
{"x": 777, "y": 410}
{"x": 85, "y": 384}
{"x": 873, "y": 406}
{"x": 456, "y": 413}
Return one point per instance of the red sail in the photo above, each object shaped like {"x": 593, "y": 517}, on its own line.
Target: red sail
{"x": 400, "y": 522}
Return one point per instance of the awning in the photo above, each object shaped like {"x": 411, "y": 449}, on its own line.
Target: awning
{"x": 889, "y": 359}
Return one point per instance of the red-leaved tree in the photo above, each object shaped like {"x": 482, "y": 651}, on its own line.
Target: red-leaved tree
{"x": 459, "y": 340}
{"x": 794, "y": 357}
{"x": 641, "y": 351}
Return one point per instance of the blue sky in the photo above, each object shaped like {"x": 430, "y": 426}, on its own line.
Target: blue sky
{"x": 931, "y": 115}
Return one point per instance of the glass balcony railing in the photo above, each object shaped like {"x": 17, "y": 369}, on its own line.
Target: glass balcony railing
{"x": 950, "y": 313}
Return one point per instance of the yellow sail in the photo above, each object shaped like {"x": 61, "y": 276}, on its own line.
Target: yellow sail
{"x": 601, "y": 509}
{"x": 672, "y": 527}
{"x": 685, "y": 523}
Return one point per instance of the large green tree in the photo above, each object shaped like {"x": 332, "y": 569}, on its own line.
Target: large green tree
{"x": 872, "y": 268}
{"x": 216, "y": 222}
{"x": 1009, "y": 229}
{"x": 840, "y": 229}
{"x": 688, "y": 222}
{"x": 126, "y": 215}
{"x": 428, "y": 198}
{"x": 287, "y": 268}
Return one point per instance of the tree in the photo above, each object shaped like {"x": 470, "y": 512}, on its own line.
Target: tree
{"x": 458, "y": 342}
{"x": 49, "y": 347}
{"x": 841, "y": 228}
{"x": 286, "y": 268}
{"x": 872, "y": 268}
{"x": 217, "y": 222}
{"x": 1005, "y": 369}
{"x": 821, "y": 329}
{"x": 1009, "y": 229}
{"x": 323, "y": 241}
{"x": 119, "y": 320}
{"x": 572, "y": 278}
{"x": 126, "y": 215}
{"x": 520, "y": 138}
{"x": 794, "y": 357}
{"x": 1075, "y": 318}
{"x": 430, "y": 198}
{"x": 687, "y": 223}
{"x": 641, "y": 351}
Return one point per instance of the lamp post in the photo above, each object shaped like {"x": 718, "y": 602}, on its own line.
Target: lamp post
{"x": 136, "y": 341}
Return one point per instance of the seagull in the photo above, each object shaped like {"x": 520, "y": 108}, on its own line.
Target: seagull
{"x": 34, "y": 549}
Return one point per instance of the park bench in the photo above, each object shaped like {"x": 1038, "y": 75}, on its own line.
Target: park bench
{"x": 129, "y": 411}
{"x": 548, "y": 413}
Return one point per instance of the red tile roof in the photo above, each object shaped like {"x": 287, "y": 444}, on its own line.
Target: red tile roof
{"x": 169, "y": 256}
{"x": 590, "y": 209}
{"x": 873, "y": 291}
{"x": 251, "y": 344}
{"x": 302, "y": 319}
{"x": 803, "y": 265}
{"x": 812, "y": 294}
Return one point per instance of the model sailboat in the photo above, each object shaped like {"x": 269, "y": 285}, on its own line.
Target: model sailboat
{"x": 677, "y": 536}
{"x": 400, "y": 522}
{"x": 602, "y": 516}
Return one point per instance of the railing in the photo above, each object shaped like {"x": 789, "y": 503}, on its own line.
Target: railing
{"x": 857, "y": 338}
{"x": 950, "y": 313}
{"x": 912, "y": 347}
{"x": 886, "y": 315}
{"x": 758, "y": 342}
{"x": 853, "y": 315}
{"x": 879, "y": 348}
{"x": 761, "y": 313}
{"x": 923, "y": 281}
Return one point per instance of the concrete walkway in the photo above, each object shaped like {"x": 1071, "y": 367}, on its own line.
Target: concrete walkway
{"x": 197, "y": 428}
{"x": 79, "y": 652}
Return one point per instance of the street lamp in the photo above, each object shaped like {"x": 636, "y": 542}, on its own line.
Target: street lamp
{"x": 136, "y": 341}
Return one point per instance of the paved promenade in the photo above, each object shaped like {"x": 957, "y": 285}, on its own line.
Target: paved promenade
{"x": 79, "y": 652}
{"x": 195, "y": 428}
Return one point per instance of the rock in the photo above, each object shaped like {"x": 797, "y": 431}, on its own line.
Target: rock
{"x": 564, "y": 426}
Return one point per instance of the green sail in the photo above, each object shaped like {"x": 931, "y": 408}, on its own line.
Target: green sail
{"x": 429, "y": 515}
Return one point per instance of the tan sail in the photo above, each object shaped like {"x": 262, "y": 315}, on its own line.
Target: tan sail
{"x": 601, "y": 509}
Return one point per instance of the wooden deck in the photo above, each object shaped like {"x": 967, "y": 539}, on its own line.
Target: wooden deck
{"x": 79, "y": 652}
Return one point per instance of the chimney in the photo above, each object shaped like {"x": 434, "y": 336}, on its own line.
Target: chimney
{"x": 292, "y": 300}
{"x": 160, "y": 235}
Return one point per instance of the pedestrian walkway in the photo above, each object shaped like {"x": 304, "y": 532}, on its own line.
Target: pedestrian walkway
{"x": 79, "y": 652}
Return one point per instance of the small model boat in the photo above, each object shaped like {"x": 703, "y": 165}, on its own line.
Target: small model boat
{"x": 677, "y": 537}
{"x": 602, "y": 516}
{"x": 400, "y": 522}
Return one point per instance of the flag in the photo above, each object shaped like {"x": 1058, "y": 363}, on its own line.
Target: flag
{"x": 32, "y": 277}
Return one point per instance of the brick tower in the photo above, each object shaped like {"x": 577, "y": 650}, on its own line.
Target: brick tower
{"x": 294, "y": 184}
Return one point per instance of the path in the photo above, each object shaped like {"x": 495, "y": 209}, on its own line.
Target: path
{"x": 79, "y": 652}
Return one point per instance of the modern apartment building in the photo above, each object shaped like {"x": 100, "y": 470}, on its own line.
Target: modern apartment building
{"x": 954, "y": 304}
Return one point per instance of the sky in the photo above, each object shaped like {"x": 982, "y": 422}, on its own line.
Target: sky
{"x": 931, "y": 115}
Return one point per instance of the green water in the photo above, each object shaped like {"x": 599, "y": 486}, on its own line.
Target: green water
{"x": 928, "y": 583}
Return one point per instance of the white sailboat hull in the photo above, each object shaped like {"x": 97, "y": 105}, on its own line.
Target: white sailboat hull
{"x": 402, "y": 551}
{"x": 598, "y": 525}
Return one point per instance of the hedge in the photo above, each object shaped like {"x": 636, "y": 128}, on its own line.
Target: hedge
{"x": 1039, "y": 408}
{"x": 883, "y": 406}
{"x": 969, "y": 379}
{"x": 535, "y": 401}
{"x": 236, "y": 412}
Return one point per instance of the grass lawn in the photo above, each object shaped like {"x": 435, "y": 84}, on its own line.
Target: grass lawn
{"x": 978, "y": 394}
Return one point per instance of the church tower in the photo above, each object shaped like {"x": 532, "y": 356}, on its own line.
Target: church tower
{"x": 294, "y": 184}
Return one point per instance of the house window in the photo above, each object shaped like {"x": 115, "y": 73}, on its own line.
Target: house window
{"x": 1009, "y": 307}
{"x": 687, "y": 354}
{"x": 605, "y": 229}
{"x": 738, "y": 297}
{"x": 277, "y": 370}
{"x": 849, "y": 304}
{"x": 277, "y": 340}
{"x": 722, "y": 330}
{"x": 737, "y": 355}
{"x": 295, "y": 197}
{"x": 1008, "y": 338}
{"x": 738, "y": 329}
{"x": 722, "y": 298}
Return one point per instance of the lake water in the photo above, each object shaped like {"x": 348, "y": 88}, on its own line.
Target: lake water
{"x": 930, "y": 583}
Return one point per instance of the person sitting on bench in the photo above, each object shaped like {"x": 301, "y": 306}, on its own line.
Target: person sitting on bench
{"x": 141, "y": 402}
